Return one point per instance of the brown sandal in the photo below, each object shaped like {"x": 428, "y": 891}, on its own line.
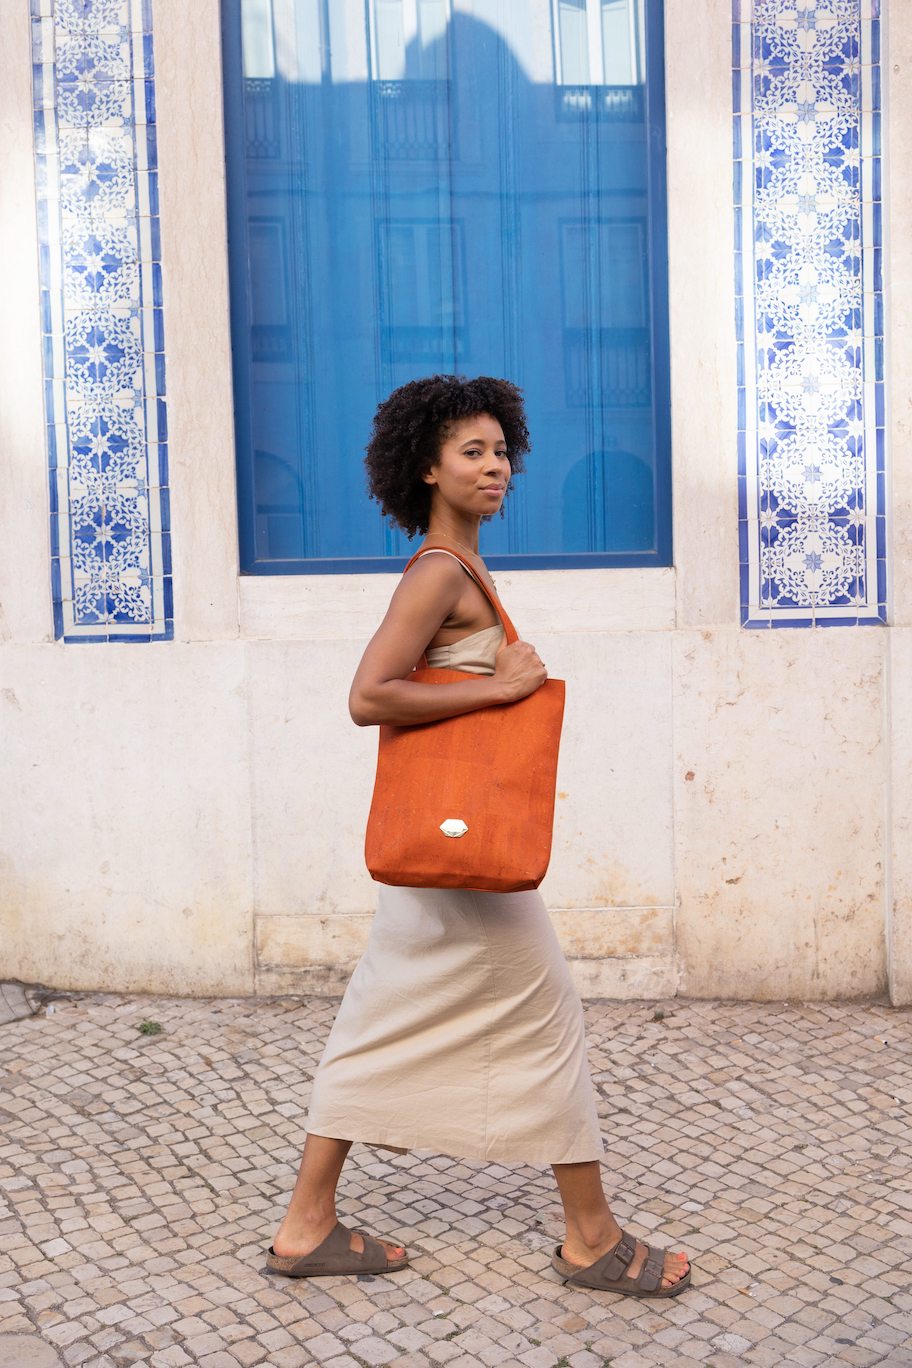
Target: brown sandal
{"x": 608, "y": 1274}
{"x": 335, "y": 1255}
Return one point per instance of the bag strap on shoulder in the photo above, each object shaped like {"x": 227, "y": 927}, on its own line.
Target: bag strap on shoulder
{"x": 510, "y": 631}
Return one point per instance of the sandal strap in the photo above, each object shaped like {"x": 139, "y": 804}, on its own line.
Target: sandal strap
{"x": 615, "y": 1263}
{"x": 613, "y": 1267}
{"x": 650, "y": 1275}
{"x": 373, "y": 1251}
{"x": 336, "y": 1255}
{"x": 336, "y": 1252}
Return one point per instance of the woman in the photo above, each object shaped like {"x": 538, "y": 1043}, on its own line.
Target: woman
{"x": 460, "y": 1030}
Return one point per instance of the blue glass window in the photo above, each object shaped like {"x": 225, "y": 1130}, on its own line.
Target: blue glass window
{"x": 468, "y": 186}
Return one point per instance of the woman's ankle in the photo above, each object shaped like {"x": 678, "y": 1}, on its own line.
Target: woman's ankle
{"x": 311, "y": 1213}
{"x": 591, "y": 1232}
{"x": 299, "y": 1232}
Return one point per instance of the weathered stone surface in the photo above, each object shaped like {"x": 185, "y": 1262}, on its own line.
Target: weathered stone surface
{"x": 27, "y": 1351}
{"x": 613, "y": 952}
{"x": 779, "y": 815}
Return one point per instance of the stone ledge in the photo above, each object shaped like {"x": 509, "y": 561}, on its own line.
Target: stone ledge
{"x": 300, "y": 943}
{"x": 646, "y": 978}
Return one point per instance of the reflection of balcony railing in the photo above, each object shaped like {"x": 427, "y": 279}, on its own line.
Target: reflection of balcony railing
{"x": 425, "y": 346}
{"x": 271, "y": 342}
{"x": 624, "y": 370}
{"x": 609, "y": 104}
{"x": 264, "y": 120}
{"x": 413, "y": 119}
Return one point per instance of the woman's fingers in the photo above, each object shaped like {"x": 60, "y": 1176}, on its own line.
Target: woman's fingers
{"x": 521, "y": 666}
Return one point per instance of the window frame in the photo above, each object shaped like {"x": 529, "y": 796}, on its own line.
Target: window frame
{"x": 237, "y": 208}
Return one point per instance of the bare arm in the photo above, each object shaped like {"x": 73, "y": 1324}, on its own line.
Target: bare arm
{"x": 424, "y": 598}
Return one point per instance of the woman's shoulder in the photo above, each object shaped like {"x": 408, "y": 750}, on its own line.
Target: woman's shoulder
{"x": 430, "y": 579}
{"x": 454, "y": 572}
{"x": 437, "y": 562}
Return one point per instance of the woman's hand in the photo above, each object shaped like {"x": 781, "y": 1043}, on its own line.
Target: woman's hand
{"x": 519, "y": 671}
{"x": 382, "y": 691}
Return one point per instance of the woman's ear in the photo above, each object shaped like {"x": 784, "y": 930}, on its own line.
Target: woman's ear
{"x": 429, "y": 477}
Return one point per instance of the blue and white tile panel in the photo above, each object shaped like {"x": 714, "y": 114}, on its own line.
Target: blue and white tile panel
{"x": 810, "y": 318}
{"x": 101, "y": 312}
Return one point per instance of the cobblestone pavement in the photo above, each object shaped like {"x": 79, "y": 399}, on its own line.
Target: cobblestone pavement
{"x": 142, "y": 1175}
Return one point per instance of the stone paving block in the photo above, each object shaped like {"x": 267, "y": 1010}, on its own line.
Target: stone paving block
{"x": 375, "y": 1350}
{"x": 292, "y": 1356}
{"x": 172, "y": 1357}
{"x": 131, "y": 1351}
{"x": 494, "y": 1355}
{"x": 326, "y": 1346}
{"x": 443, "y": 1351}
{"x": 409, "y": 1337}
{"x": 76, "y": 1354}
{"x": 248, "y": 1353}
{"x": 27, "y": 1351}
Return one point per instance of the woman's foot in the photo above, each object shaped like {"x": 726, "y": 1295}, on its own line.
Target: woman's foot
{"x": 294, "y": 1240}
{"x": 581, "y": 1253}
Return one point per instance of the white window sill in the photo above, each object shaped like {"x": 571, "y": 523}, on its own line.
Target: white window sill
{"x": 349, "y": 607}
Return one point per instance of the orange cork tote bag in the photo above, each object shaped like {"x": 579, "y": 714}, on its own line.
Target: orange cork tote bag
{"x": 468, "y": 802}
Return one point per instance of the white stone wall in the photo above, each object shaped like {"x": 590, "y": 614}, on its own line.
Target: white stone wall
{"x": 735, "y": 807}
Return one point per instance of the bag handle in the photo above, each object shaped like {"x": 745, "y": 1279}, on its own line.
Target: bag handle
{"x": 510, "y": 632}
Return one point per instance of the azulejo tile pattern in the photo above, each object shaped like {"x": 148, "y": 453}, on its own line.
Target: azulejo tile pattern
{"x": 101, "y": 311}
{"x": 808, "y": 280}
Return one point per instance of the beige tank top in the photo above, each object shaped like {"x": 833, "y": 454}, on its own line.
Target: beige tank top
{"x": 474, "y": 653}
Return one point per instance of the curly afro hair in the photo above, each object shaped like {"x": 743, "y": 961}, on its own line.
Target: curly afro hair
{"x": 409, "y": 427}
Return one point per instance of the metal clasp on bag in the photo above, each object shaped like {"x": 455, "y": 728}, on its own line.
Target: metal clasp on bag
{"x": 453, "y": 826}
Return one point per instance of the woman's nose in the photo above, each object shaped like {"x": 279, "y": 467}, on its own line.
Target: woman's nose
{"x": 498, "y": 463}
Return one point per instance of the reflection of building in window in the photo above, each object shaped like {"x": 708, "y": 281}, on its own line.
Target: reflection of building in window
{"x": 408, "y": 39}
{"x": 408, "y": 66}
{"x": 413, "y": 120}
{"x": 424, "y": 288}
{"x": 598, "y": 42}
{"x": 270, "y": 324}
{"x": 280, "y": 498}
{"x": 262, "y": 113}
{"x": 257, "y": 37}
{"x": 413, "y": 191}
{"x": 605, "y": 306}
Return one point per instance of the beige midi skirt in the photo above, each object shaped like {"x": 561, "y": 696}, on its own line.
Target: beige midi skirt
{"x": 460, "y": 1032}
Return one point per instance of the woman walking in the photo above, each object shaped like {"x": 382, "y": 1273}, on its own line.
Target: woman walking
{"x": 460, "y": 1030}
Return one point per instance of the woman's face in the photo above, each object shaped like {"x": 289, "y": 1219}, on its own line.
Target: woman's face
{"x": 472, "y": 471}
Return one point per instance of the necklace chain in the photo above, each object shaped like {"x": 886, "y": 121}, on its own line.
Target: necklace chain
{"x": 447, "y": 537}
